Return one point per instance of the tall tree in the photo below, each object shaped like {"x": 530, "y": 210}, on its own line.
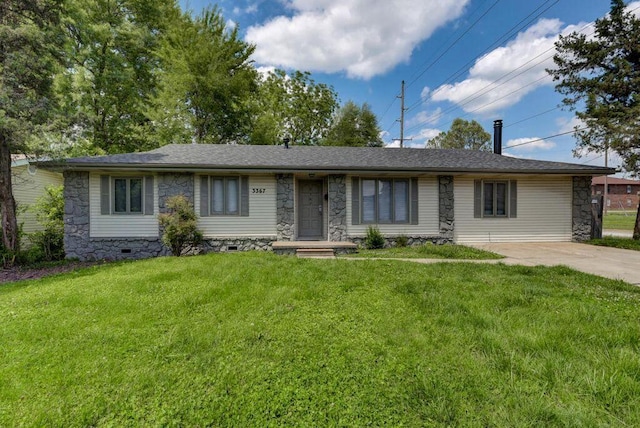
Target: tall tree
{"x": 599, "y": 76}
{"x": 354, "y": 126}
{"x": 28, "y": 41}
{"x": 462, "y": 135}
{"x": 112, "y": 67}
{"x": 292, "y": 106}
{"x": 206, "y": 83}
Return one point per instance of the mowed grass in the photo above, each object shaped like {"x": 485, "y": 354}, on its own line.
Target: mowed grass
{"x": 619, "y": 220}
{"x": 616, "y": 242}
{"x": 262, "y": 340}
{"x": 429, "y": 251}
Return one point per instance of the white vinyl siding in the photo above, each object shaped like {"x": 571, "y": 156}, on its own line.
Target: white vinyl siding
{"x": 428, "y": 217}
{"x": 543, "y": 205}
{"x": 118, "y": 225}
{"x": 28, "y": 187}
{"x": 261, "y": 221}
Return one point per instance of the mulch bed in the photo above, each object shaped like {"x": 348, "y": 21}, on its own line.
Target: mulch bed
{"x": 18, "y": 273}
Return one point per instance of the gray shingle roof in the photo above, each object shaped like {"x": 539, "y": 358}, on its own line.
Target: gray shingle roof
{"x": 311, "y": 158}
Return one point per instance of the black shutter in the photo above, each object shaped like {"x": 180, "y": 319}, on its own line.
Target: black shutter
{"x": 355, "y": 200}
{"x": 148, "y": 195}
{"x": 513, "y": 199}
{"x": 105, "y": 182}
{"x": 204, "y": 196}
{"x": 244, "y": 196}
{"x": 477, "y": 198}
{"x": 414, "y": 201}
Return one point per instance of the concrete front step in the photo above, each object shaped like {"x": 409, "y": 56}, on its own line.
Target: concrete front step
{"x": 315, "y": 253}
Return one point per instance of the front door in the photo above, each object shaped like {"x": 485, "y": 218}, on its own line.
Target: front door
{"x": 310, "y": 209}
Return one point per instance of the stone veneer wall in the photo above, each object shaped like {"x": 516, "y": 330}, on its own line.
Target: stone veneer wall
{"x": 337, "y": 207}
{"x": 446, "y": 214}
{"x": 285, "y": 194}
{"x": 238, "y": 244}
{"x": 77, "y": 242}
{"x": 76, "y": 214}
{"x": 581, "y": 215}
{"x": 171, "y": 184}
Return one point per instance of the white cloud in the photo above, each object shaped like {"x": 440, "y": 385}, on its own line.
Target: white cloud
{"x": 503, "y": 76}
{"x": 530, "y": 144}
{"x": 420, "y": 139}
{"x": 365, "y": 38}
{"x": 568, "y": 124}
{"x": 425, "y": 93}
{"x": 426, "y": 118}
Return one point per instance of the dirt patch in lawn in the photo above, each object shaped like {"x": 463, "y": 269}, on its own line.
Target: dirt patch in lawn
{"x": 19, "y": 273}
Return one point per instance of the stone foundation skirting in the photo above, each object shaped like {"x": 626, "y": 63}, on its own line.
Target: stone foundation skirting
{"x": 237, "y": 244}
{"x": 122, "y": 249}
{"x": 390, "y": 241}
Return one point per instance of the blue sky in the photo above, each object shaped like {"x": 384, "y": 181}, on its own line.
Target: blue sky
{"x": 475, "y": 59}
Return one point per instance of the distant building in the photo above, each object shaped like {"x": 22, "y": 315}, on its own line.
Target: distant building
{"x": 29, "y": 184}
{"x": 622, "y": 194}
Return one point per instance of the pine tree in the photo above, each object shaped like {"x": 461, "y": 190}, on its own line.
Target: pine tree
{"x": 599, "y": 76}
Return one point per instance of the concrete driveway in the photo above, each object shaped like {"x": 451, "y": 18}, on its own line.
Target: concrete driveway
{"x": 603, "y": 261}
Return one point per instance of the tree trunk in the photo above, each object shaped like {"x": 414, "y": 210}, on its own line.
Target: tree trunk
{"x": 10, "y": 238}
{"x": 636, "y": 228}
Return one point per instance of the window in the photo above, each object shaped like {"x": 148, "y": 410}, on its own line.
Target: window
{"x": 127, "y": 195}
{"x": 224, "y": 196}
{"x": 628, "y": 188}
{"x": 385, "y": 200}
{"x": 495, "y": 198}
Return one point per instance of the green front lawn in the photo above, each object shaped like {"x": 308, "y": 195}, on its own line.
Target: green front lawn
{"x": 619, "y": 220}
{"x": 615, "y": 242}
{"x": 260, "y": 340}
{"x": 429, "y": 251}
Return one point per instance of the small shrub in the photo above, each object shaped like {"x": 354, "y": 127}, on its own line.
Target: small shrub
{"x": 49, "y": 212}
{"x": 402, "y": 241}
{"x": 374, "y": 239}
{"x": 179, "y": 225}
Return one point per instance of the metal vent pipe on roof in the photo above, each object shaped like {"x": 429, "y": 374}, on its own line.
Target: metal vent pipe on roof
{"x": 497, "y": 136}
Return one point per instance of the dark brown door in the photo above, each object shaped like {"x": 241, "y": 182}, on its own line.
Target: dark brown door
{"x": 310, "y": 209}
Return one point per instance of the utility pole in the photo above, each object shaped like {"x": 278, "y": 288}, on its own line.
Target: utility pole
{"x": 402, "y": 110}
{"x": 606, "y": 187}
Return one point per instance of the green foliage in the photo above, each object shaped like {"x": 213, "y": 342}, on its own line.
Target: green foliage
{"x": 50, "y": 214}
{"x": 402, "y": 241}
{"x": 206, "y": 82}
{"x": 293, "y": 106}
{"x": 599, "y": 76}
{"x": 354, "y": 126}
{"x": 374, "y": 239}
{"x": 228, "y": 340}
{"x": 462, "y": 135}
{"x": 28, "y": 40}
{"x": 111, "y": 75}
{"x": 180, "y": 226}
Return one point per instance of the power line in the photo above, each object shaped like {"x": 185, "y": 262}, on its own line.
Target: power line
{"x": 509, "y": 33}
{"x": 533, "y": 116}
{"x": 542, "y": 139}
{"x": 493, "y": 85}
{"x": 448, "y": 48}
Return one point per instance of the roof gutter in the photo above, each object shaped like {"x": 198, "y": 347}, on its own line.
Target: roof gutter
{"x": 597, "y": 171}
